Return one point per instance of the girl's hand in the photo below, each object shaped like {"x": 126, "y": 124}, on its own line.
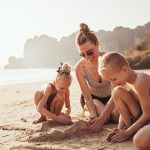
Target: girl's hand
{"x": 96, "y": 124}
{"x": 63, "y": 119}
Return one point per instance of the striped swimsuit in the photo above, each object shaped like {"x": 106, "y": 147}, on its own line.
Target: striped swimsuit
{"x": 99, "y": 90}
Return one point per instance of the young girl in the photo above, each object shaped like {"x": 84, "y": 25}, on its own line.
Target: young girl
{"x": 50, "y": 100}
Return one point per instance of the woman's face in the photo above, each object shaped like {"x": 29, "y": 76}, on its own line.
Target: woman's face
{"x": 88, "y": 51}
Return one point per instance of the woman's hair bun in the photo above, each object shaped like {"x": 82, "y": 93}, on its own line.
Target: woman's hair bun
{"x": 84, "y": 27}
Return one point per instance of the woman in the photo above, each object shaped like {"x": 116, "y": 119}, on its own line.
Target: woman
{"x": 95, "y": 91}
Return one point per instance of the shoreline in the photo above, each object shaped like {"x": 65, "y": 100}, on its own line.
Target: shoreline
{"x": 47, "y": 78}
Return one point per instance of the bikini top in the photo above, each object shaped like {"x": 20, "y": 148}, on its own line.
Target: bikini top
{"x": 99, "y": 89}
{"x": 51, "y": 97}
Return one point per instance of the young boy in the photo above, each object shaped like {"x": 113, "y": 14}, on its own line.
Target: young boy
{"x": 131, "y": 96}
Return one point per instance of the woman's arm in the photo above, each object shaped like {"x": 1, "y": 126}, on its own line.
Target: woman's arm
{"x": 80, "y": 74}
{"x": 97, "y": 123}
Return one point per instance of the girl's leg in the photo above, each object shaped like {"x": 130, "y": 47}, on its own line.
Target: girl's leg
{"x": 37, "y": 97}
{"x": 125, "y": 104}
{"x": 141, "y": 139}
{"x": 56, "y": 106}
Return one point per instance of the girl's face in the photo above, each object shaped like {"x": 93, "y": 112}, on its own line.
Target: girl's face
{"x": 88, "y": 51}
{"x": 62, "y": 85}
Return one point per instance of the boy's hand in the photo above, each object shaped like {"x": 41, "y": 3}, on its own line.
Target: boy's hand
{"x": 96, "y": 124}
{"x": 111, "y": 134}
{"x": 118, "y": 136}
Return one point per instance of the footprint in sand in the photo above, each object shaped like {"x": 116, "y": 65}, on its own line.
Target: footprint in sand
{"x": 23, "y": 119}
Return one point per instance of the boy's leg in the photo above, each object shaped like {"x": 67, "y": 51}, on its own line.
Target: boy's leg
{"x": 115, "y": 116}
{"x": 126, "y": 104}
{"x": 141, "y": 139}
{"x": 37, "y": 97}
{"x": 121, "y": 124}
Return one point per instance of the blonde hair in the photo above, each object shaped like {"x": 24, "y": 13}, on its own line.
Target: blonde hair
{"x": 85, "y": 34}
{"x": 64, "y": 72}
{"x": 113, "y": 58}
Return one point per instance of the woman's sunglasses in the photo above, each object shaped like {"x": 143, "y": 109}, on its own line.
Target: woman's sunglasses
{"x": 88, "y": 53}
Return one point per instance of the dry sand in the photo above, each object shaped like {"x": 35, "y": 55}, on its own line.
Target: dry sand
{"x": 17, "y": 132}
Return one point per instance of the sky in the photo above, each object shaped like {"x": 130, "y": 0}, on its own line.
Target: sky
{"x": 23, "y": 19}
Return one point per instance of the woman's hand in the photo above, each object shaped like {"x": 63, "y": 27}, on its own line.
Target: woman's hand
{"x": 96, "y": 124}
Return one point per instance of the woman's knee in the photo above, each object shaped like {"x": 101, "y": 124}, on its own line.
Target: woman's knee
{"x": 141, "y": 139}
{"x": 99, "y": 106}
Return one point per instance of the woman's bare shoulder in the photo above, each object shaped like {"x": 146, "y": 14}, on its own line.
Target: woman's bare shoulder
{"x": 79, "y": 64}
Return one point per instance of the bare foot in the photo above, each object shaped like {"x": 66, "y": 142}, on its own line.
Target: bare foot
{"x": 41, "y": 119}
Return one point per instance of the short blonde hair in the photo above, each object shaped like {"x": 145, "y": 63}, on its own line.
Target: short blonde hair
{"x": 115, "y": 59}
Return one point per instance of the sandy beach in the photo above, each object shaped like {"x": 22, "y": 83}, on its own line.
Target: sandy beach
{"x": 17, "y": 112}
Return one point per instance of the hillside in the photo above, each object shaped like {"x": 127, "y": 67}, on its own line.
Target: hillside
{"x": 45, "y": 51}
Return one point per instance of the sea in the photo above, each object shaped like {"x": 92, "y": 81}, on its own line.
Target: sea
{"x": 16, "y": 76}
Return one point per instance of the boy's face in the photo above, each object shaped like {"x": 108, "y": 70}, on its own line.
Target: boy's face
{"x": 117, "y": 76}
